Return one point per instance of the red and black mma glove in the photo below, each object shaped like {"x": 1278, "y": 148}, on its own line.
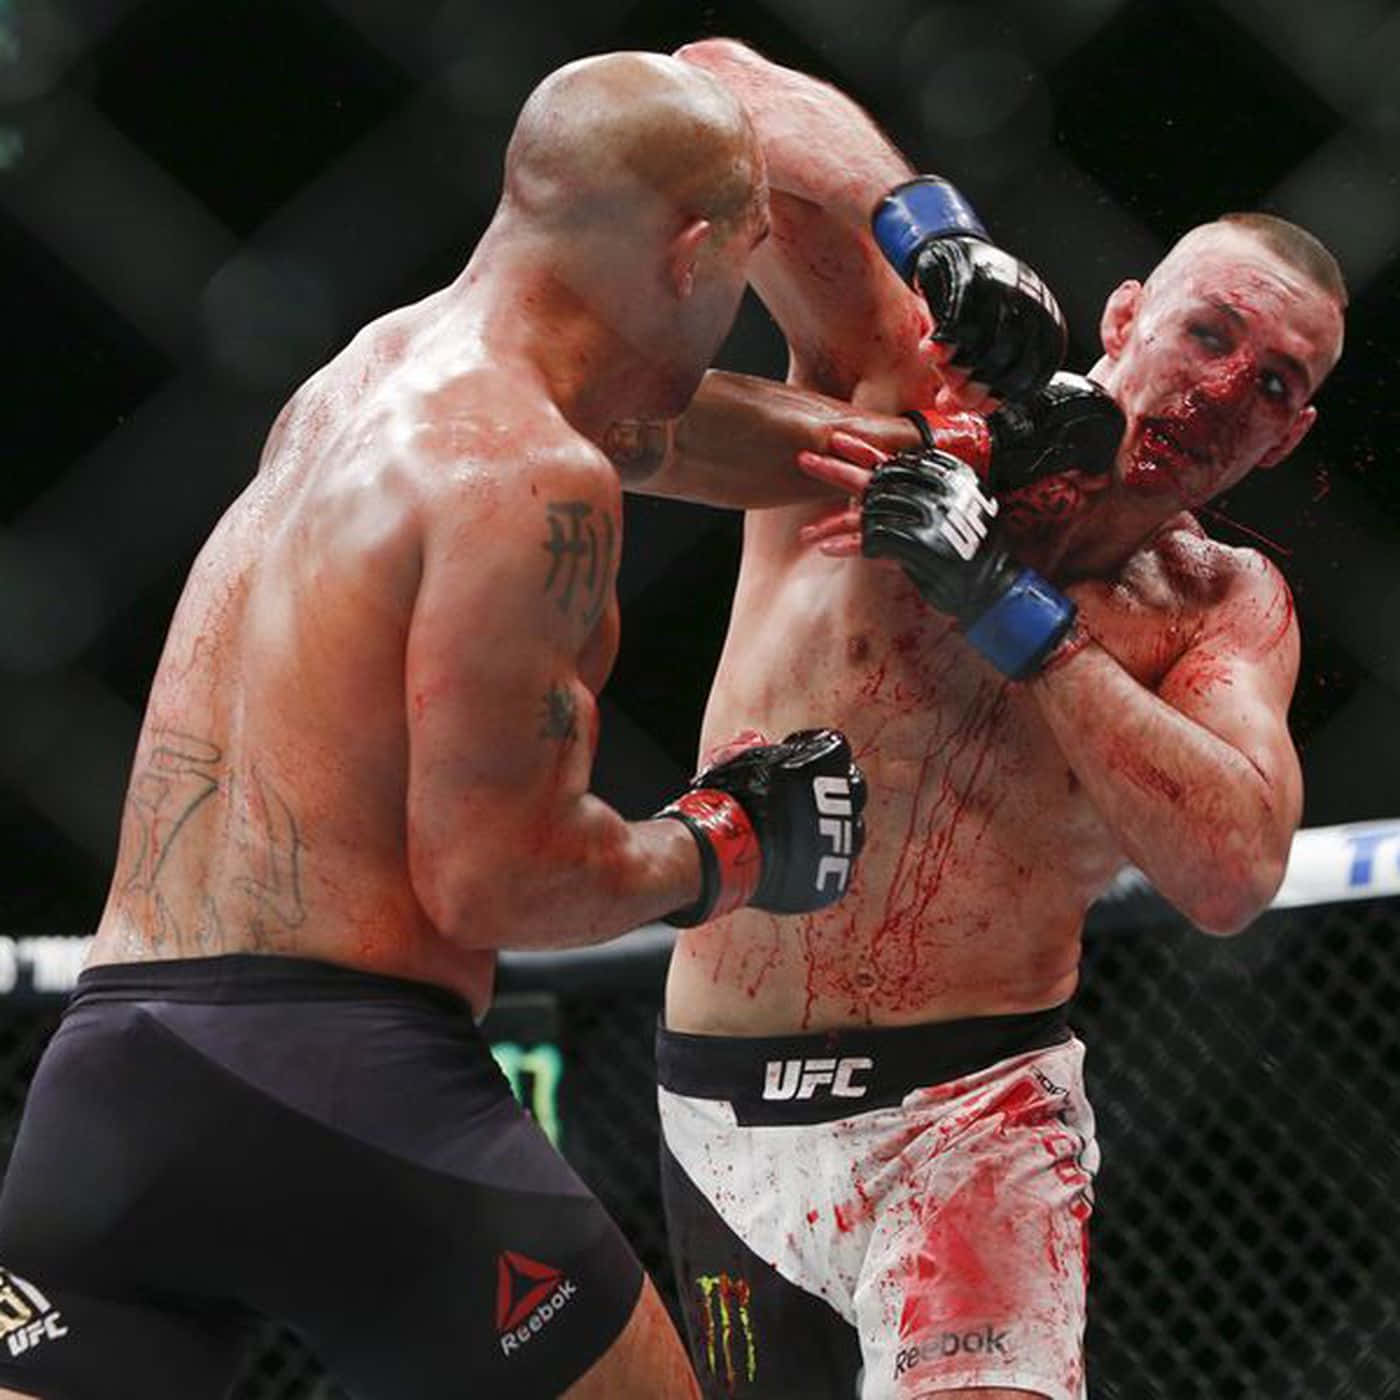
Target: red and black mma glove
{"x": 1006, "y": 327}
{"x": 926, "y": 510}
{"x": 1068, "y": 425}
{"x": 779, "y": 826}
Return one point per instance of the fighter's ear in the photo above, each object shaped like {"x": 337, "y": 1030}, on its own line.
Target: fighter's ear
{"x": 1118, "y": 314}
{"x": 684, "y": 253}
{"x": 1297, "y": 431}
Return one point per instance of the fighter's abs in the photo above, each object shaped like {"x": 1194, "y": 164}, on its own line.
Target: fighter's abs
{"x": 983, "y": 849}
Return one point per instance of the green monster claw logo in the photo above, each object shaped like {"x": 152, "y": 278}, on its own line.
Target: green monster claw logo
{"x": 535, "y": 1075}
{"x": 723, "y": 1301}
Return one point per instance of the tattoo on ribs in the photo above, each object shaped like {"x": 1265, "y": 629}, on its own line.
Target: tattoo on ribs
{"x": 559, "y": 715}
{"x": 181, "y": 774}
{"x": 272, "y": 847}
{"x": 580, "y": 546}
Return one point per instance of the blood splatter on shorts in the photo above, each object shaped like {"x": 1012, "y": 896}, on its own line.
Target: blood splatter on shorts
{"x": 881, "y": 1213}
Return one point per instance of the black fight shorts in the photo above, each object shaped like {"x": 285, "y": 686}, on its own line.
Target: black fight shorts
{"x": 214, "y": 1142}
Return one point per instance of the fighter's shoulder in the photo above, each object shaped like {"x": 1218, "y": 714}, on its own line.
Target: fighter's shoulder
{"x": 1239, "y": 588}
{"x": 478, "y": 445}
{"x": 1183, "y": 545}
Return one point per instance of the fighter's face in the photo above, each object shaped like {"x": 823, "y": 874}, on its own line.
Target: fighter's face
{"x": 1214, "y": 361}
{"x": 725, "y": 269}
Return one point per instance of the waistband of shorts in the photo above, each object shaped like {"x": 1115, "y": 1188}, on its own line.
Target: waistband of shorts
{"x": 252, "y": 977}
{"x": 821, "y": 1075}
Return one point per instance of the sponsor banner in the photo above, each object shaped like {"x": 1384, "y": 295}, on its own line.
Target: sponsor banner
{"x": 1332, "y": 863}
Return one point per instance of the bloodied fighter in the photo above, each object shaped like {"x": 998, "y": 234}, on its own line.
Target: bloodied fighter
{"x": 878, "y": 1153}
{"x": 363, "y": 769}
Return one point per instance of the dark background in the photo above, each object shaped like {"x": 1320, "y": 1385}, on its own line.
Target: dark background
{"x": 200, "y": 201}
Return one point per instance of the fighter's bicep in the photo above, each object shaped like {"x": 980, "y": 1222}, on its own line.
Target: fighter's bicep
{"x": 493, "y": 693}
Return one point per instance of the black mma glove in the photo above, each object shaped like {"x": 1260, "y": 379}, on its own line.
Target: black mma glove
{"x": 1006, "y": 327}
{"x": 927, "y": 511}
{"x": 778, "y": 826}
{"x": 1070, "y": 424}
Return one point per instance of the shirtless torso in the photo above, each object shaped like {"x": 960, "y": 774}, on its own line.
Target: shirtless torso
{"x": 266, "y": 810}
{"x": 984, "y": 847}
{"x": 999, "y": 810}
{"x": 365, "y": 768}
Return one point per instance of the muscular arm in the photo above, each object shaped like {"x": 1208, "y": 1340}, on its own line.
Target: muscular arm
{"x": 818, "y": 143}
{"x": 853, "y": 329}
{"x": 737, "y": 443}
{"x": 1199, "y": 780}
{"x": 506, "y": 845}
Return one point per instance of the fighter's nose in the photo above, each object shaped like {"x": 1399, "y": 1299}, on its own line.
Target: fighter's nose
{"x": 1228, "y": 381}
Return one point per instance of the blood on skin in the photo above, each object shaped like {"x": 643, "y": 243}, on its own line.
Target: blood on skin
{"x": 934, "y": 828}
{"x": 1041, "y": 504}
{"x": 1201, "y": 674}
{"x": 1127, "y": 760}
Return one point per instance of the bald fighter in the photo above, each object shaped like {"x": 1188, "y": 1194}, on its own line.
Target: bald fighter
{"x": 363, "y": 770}
{"x": 878, "y": 1152}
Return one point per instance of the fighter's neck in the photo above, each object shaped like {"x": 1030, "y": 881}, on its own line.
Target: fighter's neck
{"x": 520, "y": 310}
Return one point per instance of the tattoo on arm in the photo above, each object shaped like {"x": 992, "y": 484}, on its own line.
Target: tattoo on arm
{"x": 582, "y": 544}
{"x": 559, "y": 716}
{"x": 637, "y": 449}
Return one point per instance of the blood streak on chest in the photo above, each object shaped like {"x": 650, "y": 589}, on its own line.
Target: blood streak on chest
{"x": 949, "y": 786}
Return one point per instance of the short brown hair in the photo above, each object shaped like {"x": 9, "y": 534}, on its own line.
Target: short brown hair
{"x": 1297, "y": 247}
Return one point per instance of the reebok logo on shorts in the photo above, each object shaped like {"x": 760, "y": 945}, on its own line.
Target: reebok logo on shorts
{"x": 981, "y": 1341}
{"x": 27, "y": 1318}
{"x": 528, "y": 1296}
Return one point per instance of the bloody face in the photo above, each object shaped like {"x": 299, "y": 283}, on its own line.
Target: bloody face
{"x": 1214, "y": 361}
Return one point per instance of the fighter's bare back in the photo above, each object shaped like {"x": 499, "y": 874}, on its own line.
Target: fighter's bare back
{"x": 267, "y": 807}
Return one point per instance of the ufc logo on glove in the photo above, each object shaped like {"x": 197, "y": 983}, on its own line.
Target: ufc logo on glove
{"x": 833, "y": 799}
{"x": 964, "y": 525}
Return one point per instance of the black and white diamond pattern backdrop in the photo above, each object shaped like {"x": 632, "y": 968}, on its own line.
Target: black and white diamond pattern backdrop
{"x": 200, "y": 200}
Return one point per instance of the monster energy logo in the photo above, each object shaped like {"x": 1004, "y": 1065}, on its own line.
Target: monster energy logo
{"x": 722, "y": 1301}
{"x": 535, "y": 1075}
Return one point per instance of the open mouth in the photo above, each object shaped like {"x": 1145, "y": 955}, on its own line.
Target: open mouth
{"x": 1160, "y": 439}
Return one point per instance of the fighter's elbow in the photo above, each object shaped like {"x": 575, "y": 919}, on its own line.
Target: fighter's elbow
{"x": 716, "y": 53}
{"x": 1230, "y": 900}
{"x": 458, "y": 898}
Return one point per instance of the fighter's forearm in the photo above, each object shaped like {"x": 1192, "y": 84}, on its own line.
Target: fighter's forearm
{"x": 579, "y": 876}
{"x": 1197, "y": 816}
{"x": 737, "y": 443}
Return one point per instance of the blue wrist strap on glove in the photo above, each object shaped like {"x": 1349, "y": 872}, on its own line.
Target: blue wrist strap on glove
{"x": 1020, "y": 629}
{"x": 916, "y": 211}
